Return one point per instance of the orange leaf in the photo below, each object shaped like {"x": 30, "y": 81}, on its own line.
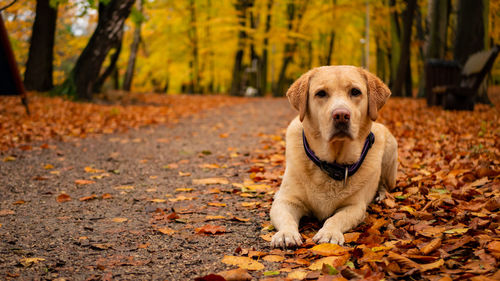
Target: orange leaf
{"x": 211, "y": 229}
{"x": 87, "y": 198}
{"x": 63, "y": 197}
{"x": 83, "y": 182}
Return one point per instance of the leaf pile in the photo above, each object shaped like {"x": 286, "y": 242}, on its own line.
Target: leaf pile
{"x": 54, "y": 117}
{"x": 441, "y": 222}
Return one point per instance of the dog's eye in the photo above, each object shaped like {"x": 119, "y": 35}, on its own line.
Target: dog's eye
{"x": 355, "y": 92}
{"x": 321, "y": 94}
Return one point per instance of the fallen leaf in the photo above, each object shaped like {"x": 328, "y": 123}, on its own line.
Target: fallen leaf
{"x": 19, "y": 202}
{"x": 216, "y": 204}
{"x": 243, "y": 262}
{"x": 208, "y": 181}
{"x": 119, "y": 220}
{"x": 334, "y": 261}
{"x": 238, "y": 274}
{"x": 273, "y": 258}
{"x": 156, "y": 200}
{"x": 328, "y": 249}
{"x": 9, "y": 158}
{"x": 297, "y": 274}
{"x": 6, "y": 212}
{"x": 267, "y": 237}
{"x": 92, "y": 170}
{"x": 215, "y": 218}
{"x": 211, "y": 229}
{"x": 87, "y": 198}
{"x": 48, "y": 167}
{"x": 166, "y": 230}
{"x": 29, "y": 261}
{"x": 124, "y": 187}
{"x": 106, "y": 196}
{"x": 83, "y": 182}
{"x": 184, "y": 189}
{"x": 181, "y": 198}
{"x": 63, "y": 197}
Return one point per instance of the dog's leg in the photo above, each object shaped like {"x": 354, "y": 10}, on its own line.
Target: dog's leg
{"x": 343, "y": 220}
{"x": 285, "y": 217}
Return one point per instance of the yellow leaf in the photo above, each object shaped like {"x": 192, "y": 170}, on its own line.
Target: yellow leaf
{"x": 158, "y": 200}
{"x": 182, "y": 174}
{"x": 29, "y": 261}
{"x": 243, "y": 262}
{"x": 119, "y": 220}
{"x": 208, "y": 181}
{"x": 83, "y": 182}
{"x": 184, "y": 189}
{"x": 92, "y": 170}
{"x": 48, "y": 167}
{"x": 166, "y": 230}
{"x": 273, "y": 258}
{"x": 209, "y": 166}
{"x": 123, "y": 187}
{"x": 250, "y": 204}
{"x": 328, "y": 249}
{"x": 297, "y": 274}
{"x": 215, "y": 217}
{"x": 181, "y": 198}
{"x": 267, "y": 237}
{"x": 216, "y": 204}
{"x": 334, "y": 261}
{"x": 9, "y": 158}
{"x": 408, "y": 209}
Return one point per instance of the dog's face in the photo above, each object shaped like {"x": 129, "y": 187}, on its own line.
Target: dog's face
{"x": 337, "y": 102}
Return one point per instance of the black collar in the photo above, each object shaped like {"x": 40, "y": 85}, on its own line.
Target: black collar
{"x": 339, "y": 171}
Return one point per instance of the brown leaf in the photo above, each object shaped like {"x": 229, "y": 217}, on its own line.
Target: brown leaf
{"x": 433, "y": 245}
{"x": 328, "y": 249}
{"x": 88, "y": 198}
{"x": 210, "y": 229}
{"x": 63, "y": 197}
{"x": 238, "y": 274}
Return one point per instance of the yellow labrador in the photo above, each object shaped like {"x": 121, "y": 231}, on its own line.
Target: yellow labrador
{"x": 333, "y": 136}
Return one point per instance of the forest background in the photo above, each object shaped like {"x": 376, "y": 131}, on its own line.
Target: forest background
{"x": 253, "y": 47}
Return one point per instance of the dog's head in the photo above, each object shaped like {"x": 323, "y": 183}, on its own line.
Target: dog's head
{"x": 338, "y": 101}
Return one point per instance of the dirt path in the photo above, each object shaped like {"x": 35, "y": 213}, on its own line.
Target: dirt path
{"x": 143, "y": 170}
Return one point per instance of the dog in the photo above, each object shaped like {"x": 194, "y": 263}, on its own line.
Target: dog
{"x": 337, "y": 157}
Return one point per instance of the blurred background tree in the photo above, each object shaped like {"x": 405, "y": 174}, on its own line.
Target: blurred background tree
{"x": 239, "y": 47}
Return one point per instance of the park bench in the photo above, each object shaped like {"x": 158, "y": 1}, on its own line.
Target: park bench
{"x": 455, "y": 87}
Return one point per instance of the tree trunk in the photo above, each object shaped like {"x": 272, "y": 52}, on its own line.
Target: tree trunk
{"x": 381, "y": 58}
{"x": 111, "y": 67}
{"x": 236, "y": 85}
{"x": 395, "y": 42}
{"x": 405, "y": 48}
{"x": 134, "y": 47}
{"x": 193, "y": 38}
{"x": 264, "y": 59}
{"x": 470, "y": 29}
{"x": 84, "y": 75}
{"x": 38, "y": 74}
{"x": 292, "y": 12}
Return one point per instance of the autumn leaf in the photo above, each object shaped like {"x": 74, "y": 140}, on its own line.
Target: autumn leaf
{"x": 273, "y": 258}
{"x": 166, "y": 230}
{"x": 216, "y": 204}
{"x": 243, "y": 262}
{"x": 209, "y": 181}
{"x": 124, "y": 187}
{"x": 119, "y": 220}
{"x": 210, "y": 229}
{"x": 238, "y": 274}
{"x": 106, "y": 196}
{"x": 334, "y": 261}
{"x": 6, "y": 212}
{"x": 328, "y": 249}
{"x": 88, "y": 198}
{"x": 63, "y": 197}
{"x": 29, "y": 261}
{"x": 83, "y": 182}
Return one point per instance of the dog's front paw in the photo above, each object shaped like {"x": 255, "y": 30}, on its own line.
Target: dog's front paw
{"x": 328, "y": 236}
{"x": 283, "y": 239}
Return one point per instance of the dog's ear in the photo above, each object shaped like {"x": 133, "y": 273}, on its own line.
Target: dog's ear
{"x": 298, "y": 92}
{"x": 378, "y": 93}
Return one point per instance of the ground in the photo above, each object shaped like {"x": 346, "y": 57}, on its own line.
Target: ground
{"x": 170, "y": 201}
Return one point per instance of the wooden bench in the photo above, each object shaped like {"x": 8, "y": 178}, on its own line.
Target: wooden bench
{"x": 455, "y": 87}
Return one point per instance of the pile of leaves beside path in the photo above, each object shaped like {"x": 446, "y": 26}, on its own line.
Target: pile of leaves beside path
{"x": 55, "y": 117}
{"x": 440, "y": 223}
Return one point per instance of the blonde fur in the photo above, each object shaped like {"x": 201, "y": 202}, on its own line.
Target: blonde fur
{"x": 306, "y": 189}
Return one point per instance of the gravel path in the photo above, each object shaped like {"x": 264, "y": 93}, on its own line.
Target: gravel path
{"x": 118, "y": 238}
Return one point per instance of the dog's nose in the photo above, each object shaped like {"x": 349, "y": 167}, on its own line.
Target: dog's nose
{"x": 341, "y": 115}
